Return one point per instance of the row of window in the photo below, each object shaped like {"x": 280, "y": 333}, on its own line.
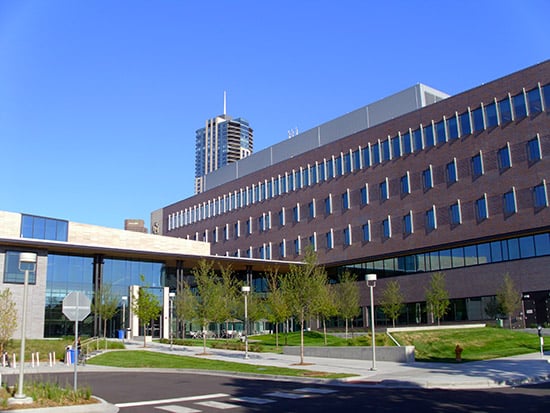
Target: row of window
{"x": 486, "y": 116}
{"x": 44, "y": 228}
{"x": 509, "y": 207}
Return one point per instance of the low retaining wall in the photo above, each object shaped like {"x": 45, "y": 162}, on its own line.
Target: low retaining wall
{"x": 403, "y": 354}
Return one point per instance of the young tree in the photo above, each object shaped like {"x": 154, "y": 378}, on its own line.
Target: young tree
{"x": 327, "y": 307}
{"x": 146, "y": 307}
{"x": 304, "y": 286}
{"x": 209, "y": 296}
{"x": 231, "y": 290}
{"x": 509, "y": 298}
{"x": 185, "y": 304}
{"x": 277, "y": 309}
{"x": 8, "y": 318}
{"x": 347, "y": 297}
{"x": 437, "y": 296}
{"x": 105, "y": 305}
{"x": 391, "y": 301}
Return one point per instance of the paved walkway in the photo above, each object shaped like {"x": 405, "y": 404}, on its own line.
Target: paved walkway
{"x": 508, "y": 371}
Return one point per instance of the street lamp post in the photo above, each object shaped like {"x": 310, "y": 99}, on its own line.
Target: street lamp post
{"x": 124, "y": 299}
{"x": 170, "y": 327}
{"x": 245, "y": 289}
{"x": 27, "y": 263}
{"x": 371, "y": 283}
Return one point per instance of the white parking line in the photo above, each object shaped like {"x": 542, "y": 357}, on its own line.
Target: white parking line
{"x": 217, "y": 405}
{"x": 175, "y": 400}
{"x": 178, "y": 409}
{"x": 253, "y": 400}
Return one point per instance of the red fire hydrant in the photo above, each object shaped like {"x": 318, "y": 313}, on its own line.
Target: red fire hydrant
{"x": 458, "y": 353}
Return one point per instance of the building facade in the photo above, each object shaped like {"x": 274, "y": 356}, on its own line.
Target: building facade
{"x": 80, "y": 257}
{"x": 222, "y": 141}
{"x": 458, "y": 186}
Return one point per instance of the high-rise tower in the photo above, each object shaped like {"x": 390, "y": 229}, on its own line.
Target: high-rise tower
{"x": 223, "y": 140}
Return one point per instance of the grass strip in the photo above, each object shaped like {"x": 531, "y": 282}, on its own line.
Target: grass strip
{"x": 149, "y": 359}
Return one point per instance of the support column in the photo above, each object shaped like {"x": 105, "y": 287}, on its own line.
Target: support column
{"x": 98, "y": 280}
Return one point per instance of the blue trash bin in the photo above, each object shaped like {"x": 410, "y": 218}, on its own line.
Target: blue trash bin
{"x": 72, "y": 357}
{"x": 120, "y": 334}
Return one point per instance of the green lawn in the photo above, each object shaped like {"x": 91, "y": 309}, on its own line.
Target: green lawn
{"x": 149, "y": 359}
{"x": 478, "y": 343}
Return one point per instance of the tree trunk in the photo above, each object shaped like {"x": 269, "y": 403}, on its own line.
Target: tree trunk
{"x": 204, "y": 339}
{"x": 144, "y": 335}
{"x": 276, "y": 335}
{"x": 325, "y": 330}
{"x": 346, "y": 328}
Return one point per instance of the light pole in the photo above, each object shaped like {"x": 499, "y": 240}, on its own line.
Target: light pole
{"x": 27, "y": 263}
{"x": 170, "y": 328}
{"x": 371, "y": 283}
{"x": 124, "y": 299}
{"x": 245, "y": 289}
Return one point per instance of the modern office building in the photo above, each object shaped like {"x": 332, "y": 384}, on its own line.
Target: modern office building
{"x": 80, "y": 257}
{"x": 223, "y": 140}
{"x": 416, "y": 183}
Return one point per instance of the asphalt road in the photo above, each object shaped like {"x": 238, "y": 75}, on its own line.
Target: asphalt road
{"x": 140, "y": 392}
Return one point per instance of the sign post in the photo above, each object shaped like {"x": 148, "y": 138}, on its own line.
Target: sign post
{"x": 76, "y": 307}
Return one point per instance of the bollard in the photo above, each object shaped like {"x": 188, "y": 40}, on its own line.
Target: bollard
{"x": 14, "y": 361}
{"x": 32, "y": 360}
{"x": 37, "y": 359}
{"x": 50, "y": 359}
{"x": 53, "y": 358}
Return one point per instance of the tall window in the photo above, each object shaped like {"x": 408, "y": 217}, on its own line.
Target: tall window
{"x": 405, "y": 184}
{"x": 328, "y": 204}
{"x": 330, "y": 240}
{"x": 282, "y": 220}
{"x": 465, "y": 124}
{"x": 427, "y": 178}
{"x": 429, "y": 135}
{"x": 408, "y": 223}
{"x": 534, "y": 100}
{"x": 533, "y": 150}
{"x": 456, "y": 214}
{"x": 477, "y": 165}
{"x": 479, "y": 122}
{"x": 237, "y": 229}
{"x": 505, "y": 110}
{"x": 418, "y": 144}
{"x": 482, "y": 212}
{"x": 298, "y": 246}
{"x": 366, "y": 231}
{"x": 313, "y": 241}
{"x": 431, "y": 219}
{"x": 386, "y": 227}
{"x": 491, "y": 115}
{"x": 509, "y": 202}
{"x": 452, "y": 128}
{"x": 504, "y": 158}
{"x": 384, "y": 189}
{"x": 452, "y": 175}
{"x": 347, "y": 235}
{"x": 365, "y": 195}
{"x": 520, "y": 109}
{"x": 345, "y": 200}
{"x": 282, "y": 248}
{"x": 540, "y": 195}
{"x": 311, "y": 208}
{"x": 296, "y": 213}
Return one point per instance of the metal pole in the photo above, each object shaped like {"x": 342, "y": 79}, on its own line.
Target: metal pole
{"x": 246, "y": 325}
{"x": 372, "y": 327}
{"x": 20, "y": 394}
{"x": 170, "y": 321}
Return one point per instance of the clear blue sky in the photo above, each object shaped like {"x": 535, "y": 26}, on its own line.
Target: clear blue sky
{"x": 100, "y": 100}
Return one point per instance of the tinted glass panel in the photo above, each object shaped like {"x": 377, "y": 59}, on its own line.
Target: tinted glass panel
{"x": 465, "y": 126}
{"x": 375, "y": 154}
{"x": 477, "y": 115}
{"x": 441, "y": 135}
{"x": 535, "y": 103}
{"x": 356, "y": 160}
{"x": 445, "y": 259}
{"x": 396, "y": 147}
{"x": 542, "y": 244}
{"x": 491, "y": 118}
{"x": 504, "y": 161}
{"x": 451, "y": 172}
{"x": 513, "y": 249}
{"x": 527, "y": 247}
{"x": 338, "y": 166}
{"x": 407, "y": 143}
{"x": 519, "y": 106}
{"x": 546, "y": 94}
{"x": 457, "y": 257}
{"x": 533, "y": 150}
{"x": 452, "y": 128}
{"x": 386, "y": 150}
{"x": 429, "y": 136}
{"x": 366, "y": 157}
{"x": 484, "y": 253}
{"x": 417, "y": 135}
{"x": 12, "y": 274}
{"x": 470, "y": 255}
{"x": 505, "y": 110}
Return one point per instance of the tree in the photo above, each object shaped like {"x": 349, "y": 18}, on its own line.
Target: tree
{"x": 146, "y": 307}
{"x": 105, "y": 305}
{"x": 8, "y": 318}
{"x": 185, "y": 303}
{"x": 392, "y": 300}
{"x": 509, "y": 298}
{"x": 303, "y": 286}
{"x": 277, "y": 309}
{"x": 437, "y": 296}
{"x": 209, "y": 292}
{"x": 327, "y": 307}
{"x": 230, "y": 288}
{"x": 347, "y": 297}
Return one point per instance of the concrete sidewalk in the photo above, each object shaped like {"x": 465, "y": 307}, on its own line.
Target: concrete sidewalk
{"x": 509, "y": 371}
